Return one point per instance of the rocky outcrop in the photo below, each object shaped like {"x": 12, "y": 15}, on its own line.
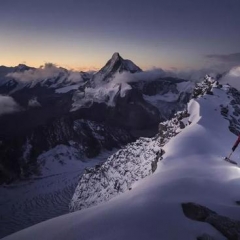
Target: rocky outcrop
{"x": 130, "y": 164}
{"x": 204, "y": 87}
{"x": 136, "y": 161}
{"x": 228, "y": 227}
{"x": 231, "y": 112}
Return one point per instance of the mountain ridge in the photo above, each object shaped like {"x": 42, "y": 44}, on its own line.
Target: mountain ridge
{"x": 191, "y": 170}
{"x": 44, "y": 102}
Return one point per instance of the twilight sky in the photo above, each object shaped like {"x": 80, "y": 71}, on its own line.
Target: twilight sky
{"x": 83, "y": 34}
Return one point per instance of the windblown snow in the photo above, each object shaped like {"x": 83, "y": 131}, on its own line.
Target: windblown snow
{"x": 192, "y": 170}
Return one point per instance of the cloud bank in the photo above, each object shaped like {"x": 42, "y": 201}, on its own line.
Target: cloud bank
{"x": 8, "y": 105}
{"x": 158, "y": 73}
{"x": 50, "y": 70}
{"x": 106, "y": 91}
{"x": 47, "y": 71}
{"x": 232, "y": 78}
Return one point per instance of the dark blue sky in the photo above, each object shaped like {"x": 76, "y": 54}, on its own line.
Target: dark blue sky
{"x": 153, "y": 33}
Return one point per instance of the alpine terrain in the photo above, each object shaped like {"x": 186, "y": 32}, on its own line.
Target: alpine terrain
{"x": 54, "y": 123}
{"x": 174, "y": 185}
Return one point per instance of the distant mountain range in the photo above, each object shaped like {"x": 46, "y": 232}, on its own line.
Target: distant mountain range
{"x": 75, "y": 139}
{"x": 93, "y": 112}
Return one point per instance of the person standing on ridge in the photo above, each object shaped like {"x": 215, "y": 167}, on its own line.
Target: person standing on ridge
{"x": 233, "y": 149}
{"x": 236, "y": 143}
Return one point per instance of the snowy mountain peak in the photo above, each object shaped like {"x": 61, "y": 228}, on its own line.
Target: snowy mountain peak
{"x": 115, "y": 65}
{"x": 116, "y": 56}
{"x": 126, "y": 65}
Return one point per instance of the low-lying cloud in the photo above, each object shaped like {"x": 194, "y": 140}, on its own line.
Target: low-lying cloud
{"x": 8, "y": 105}
{"x": 232, "y": 78}
{"x": 50, "y": 70}
{"x": 122, "y": 80}
{"x": 47, "y": 71}
{"x": 158, "y": 73}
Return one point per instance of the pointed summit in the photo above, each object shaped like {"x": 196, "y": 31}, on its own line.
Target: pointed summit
{"x": 115, "y": 65}
{"x": 116, "y": 56}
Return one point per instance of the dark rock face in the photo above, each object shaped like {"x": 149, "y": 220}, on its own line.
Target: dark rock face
{"x": 205, "y": 237}
{"x": 134, "y": 112}
{"x": 168, "y": 87}
{"x": 21, "y": 123}
{"x": 130, "y": 111}
{"x": 19, "y": 154}
{"x": 228, "y": 227}
{"x": 196, "y": 212}
{"x": 159, "y": 86}
{"x": 233, "y": 107}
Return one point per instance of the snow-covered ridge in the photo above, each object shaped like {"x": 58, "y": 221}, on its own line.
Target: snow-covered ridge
{"x": 136, "y": 160}
{"x": 192, "y": 170}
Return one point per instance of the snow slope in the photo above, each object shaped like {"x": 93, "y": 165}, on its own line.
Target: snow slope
{"x": 40, "y": 198}
{"x": 135, "y": 161}
{"x": 67, "y": 89}
{"x": 192, "y": 169}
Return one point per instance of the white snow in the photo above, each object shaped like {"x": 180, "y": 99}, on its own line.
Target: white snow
{"x": 104, "y": 93}
{"x": 194, "y": 110}
{"x": 60, "y": 159}
{"x": 192, "y": 170}
{"x": 67, "y": 89}
{"x": 48, "y": 195}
